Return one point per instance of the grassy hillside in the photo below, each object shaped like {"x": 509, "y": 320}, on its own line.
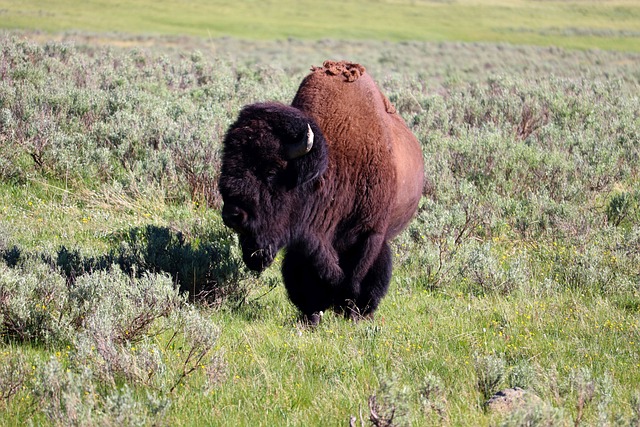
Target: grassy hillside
{"x": 519, "y": 270}
{"x": 611, "y": 24}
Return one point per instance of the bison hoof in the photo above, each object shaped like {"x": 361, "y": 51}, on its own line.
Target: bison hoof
{"x": 312, "y": 320}
{"x": 357, "y": 316}
{"x": 352, "y": 312}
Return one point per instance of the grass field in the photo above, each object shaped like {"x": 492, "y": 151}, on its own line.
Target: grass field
{"x": 520, "y": 269}
{"x": 123, "y": 298}
{"x": 611, "y": 24}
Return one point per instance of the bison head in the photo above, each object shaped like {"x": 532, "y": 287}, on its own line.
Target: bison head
{"x": 272, "y": 155}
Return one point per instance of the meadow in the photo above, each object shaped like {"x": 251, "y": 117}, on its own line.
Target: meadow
{"x": 583, "y": 24}
{"x": 124, "y": 301}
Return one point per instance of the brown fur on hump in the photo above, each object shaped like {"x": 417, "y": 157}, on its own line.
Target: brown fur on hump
{"x": 352, "y": 114}
{"x": 374, "y": 154}
{"x": 349, "y": 70}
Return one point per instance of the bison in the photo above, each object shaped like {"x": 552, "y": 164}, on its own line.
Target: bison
{"x": 331, "y": 178}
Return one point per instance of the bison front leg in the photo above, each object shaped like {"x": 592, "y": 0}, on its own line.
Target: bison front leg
{"x": 306, "y": 289}
{"x": 367, "y": 260}
{"x": 375, "y": 284}
{"x": 366, "y": 252}
{"x": 326, "y": 262}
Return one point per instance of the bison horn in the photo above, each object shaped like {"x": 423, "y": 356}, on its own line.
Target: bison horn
{"x": 301, "y": 148}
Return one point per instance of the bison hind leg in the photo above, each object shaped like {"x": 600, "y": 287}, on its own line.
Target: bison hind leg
{"x": 305, "y": 288}
{"x": 373, "y": 287}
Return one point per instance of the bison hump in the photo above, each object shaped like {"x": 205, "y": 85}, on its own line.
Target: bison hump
{"x": 350, "y": 71}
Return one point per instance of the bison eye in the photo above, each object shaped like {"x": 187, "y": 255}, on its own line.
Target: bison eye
{"x": 234, "y": 217}
{"x": 271, "y": 175}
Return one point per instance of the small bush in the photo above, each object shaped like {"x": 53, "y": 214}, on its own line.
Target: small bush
{"x": 114, "y": 316}
{"x": 64, "y": 396}
{"x": 522, "y": 375}
{"x": 490, "y": 371}
{"x": 69, "y": 397}
{"x": 535, "y": 414}
{"x": 433, "y": 396}
{"x": 14, "y": 373}
{"x": 581, "y": 386}
{"x": 122, "y": 308}
{"x": 390, "y": 405}
{"x": 33, "y": 301}
{"x": 484, "y": 272}
{"x": 622, "y": 206}
{"x": 196, "y": 336}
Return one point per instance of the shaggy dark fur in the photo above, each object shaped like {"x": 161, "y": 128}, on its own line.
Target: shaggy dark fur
{"x": 334, "y": 208}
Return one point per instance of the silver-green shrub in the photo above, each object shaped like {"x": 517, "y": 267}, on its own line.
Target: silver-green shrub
{"x": 72, "y": 398}
{"x": 539, "y": 414}
{"x": 433, "y": 396}
{"x": 490, "y": 372}
{"x": 110, "y": 333}
{"x": 33, "y": 302}
{"x": 114, "y": 316}
{"x": 66, "y": 397}
{"x": 14, "y": 374}
{"x": 116, "y": 306}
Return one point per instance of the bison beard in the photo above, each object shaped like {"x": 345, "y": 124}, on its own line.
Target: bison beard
{"x": 331, "y": 178}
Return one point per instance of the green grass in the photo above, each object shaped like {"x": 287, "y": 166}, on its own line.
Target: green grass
{"x": 44, "y": 216}
{"x": 612, "y": 24}
{"x": 520, "y": 267}
{"x": 287, "y": 377}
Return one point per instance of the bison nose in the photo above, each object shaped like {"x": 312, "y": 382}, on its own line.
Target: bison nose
{"x": 234, "y": 217}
